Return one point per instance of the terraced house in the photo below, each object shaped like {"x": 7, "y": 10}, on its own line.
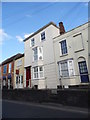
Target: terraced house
{"x": 7, "y": 71}
{"x": 73, "y": 57}
{"x": 0, "y": 76}
{"x": 39, "y": 63}
{"x": 19, "y": 72}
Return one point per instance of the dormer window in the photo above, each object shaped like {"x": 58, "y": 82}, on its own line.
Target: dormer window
{"x": 42, "y": 36}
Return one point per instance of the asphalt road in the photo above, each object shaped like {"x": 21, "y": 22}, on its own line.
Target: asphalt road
{"x": 12, "y": 109}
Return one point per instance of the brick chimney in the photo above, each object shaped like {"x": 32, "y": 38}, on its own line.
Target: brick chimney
{"x": 61, "y": 28}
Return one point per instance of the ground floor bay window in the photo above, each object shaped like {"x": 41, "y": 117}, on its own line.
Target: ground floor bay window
{"x": 66, "y": 69}
{"x": 38, "y": 72}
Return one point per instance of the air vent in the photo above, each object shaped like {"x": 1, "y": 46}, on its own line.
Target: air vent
{"x": 40, "y": 58}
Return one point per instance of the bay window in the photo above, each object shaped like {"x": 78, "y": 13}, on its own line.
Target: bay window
{"x": 38, "y": 72}
{"x": 37, "y": 53}
{"x": 66, "y": 68}
{"x": 35, "y": 72}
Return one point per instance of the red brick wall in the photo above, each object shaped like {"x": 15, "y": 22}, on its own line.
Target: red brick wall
{"x": 12, "y": 71}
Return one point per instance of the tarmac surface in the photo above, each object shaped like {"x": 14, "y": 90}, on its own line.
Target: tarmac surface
{"x": 18, "y": 109}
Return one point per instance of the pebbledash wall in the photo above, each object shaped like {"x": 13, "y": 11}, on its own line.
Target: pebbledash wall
{"x": 71, "y": 55}
{"x": 39, "y": 58}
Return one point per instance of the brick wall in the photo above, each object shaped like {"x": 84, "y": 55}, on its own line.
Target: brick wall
{"x": 79, "y": 97}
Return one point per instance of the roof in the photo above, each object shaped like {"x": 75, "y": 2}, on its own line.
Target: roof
{"x": 51, "y": 23}
{"x": 71, "y": 30}
{"x": 19, "y": 56}
{"x": 12, "y": 58}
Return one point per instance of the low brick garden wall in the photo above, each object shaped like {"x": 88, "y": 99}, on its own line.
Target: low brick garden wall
{"x": 71, "y": 97}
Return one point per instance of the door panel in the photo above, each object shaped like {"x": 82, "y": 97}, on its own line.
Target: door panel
{"x": 28, "y": 77}
{"x": 83, "y": 71}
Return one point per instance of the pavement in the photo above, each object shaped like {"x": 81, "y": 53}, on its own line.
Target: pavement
{"x": 18, "y": 109}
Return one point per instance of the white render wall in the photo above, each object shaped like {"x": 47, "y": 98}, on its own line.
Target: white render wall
{"x": 50, "y": 78}
{"x": 71, "y": 46}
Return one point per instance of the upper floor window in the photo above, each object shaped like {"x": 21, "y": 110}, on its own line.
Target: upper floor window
{"x": 35, "y": 52}
{"x": 32, "y": 42}
{"x": 42, "y": 36}
{"x": 19, "y": 63}
{"x": 9, "y": 70}
{"x": 63, "y": 47}
{"x": 5, "y": 69}
{"x": 0, "y": 70}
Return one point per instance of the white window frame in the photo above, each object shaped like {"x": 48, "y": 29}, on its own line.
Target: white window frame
{"x": 35, "y": 72}
{"x": 31, "y": 42}
{"x": 61, "y": 49}
{"x": 39, "y": 54}
{"x": 39, "y": 72}
{"x": 34, "y": 54}
{"x": 19, "y": 63}
{"x": 41, "y": 36}
{"x": 9, "y": 68}
{"x": 69, "y": 69}
{"x": 17, "y": 79}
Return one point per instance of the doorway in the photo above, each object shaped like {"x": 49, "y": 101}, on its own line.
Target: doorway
{"x": 83, "y": 72}
{"x": 28, "y": 76}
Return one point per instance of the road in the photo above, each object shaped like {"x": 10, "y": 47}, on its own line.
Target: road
{"x": 13, "y": 109}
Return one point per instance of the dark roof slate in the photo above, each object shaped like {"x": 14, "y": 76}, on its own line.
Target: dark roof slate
{"x": 51, "y": 23}
{"x": 17, "y": 56}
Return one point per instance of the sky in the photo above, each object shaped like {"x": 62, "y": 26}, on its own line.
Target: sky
{"x": 20, "y": 19}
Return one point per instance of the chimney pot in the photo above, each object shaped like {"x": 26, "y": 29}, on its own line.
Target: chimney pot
{"x": 61, "y": 28}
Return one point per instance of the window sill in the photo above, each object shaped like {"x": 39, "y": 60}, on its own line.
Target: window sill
{"x": 71, "y": 77}
{"x": 63, "y": 55}
{"x": 36, "y": 61}
{"x": 38, "y": 78}
{"x": 43, "y": 40}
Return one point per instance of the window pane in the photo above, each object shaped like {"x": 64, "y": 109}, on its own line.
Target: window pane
{"x": 21, "y": 78}
{"x": 35, "y": 53}
{"x": 63, "y": 47}
{"x": 32, "y": 42}
{"x": 43, "y": 36}
{"x": 64, "y": 69}
{"x": 5, "y": 69}
{"x": 41, "y": 72}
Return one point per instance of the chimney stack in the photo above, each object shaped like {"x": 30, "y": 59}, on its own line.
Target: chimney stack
{"x": 61, "y": 28}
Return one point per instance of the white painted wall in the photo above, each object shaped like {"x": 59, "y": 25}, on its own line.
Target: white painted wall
{"x": 50, "y": 78}
{"x": 72, "y": 45}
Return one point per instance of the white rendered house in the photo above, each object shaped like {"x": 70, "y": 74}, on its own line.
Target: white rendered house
{"x": 72, "y": 57}
{"x": 39, "y": 60}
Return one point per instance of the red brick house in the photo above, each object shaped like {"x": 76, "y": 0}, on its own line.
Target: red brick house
{"x": 7, "y": 72}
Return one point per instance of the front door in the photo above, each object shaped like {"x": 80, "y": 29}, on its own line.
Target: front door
{"x": 83, "y": 72}
{"x": 28, "y": 77}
